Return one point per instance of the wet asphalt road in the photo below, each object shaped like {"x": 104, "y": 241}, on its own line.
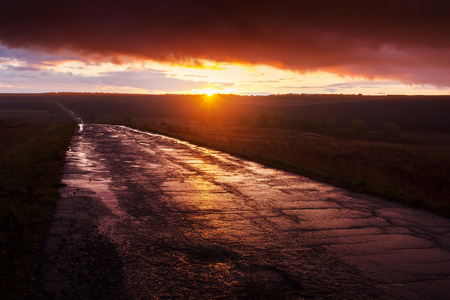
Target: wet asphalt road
{"x": 146, "y": 216}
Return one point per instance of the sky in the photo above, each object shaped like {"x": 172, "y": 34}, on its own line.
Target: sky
{"x": 226, "y": 46}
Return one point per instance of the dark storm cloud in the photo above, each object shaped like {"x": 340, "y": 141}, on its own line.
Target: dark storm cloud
{"x": 37, "y": 59}
{"x": 397, "y": 39}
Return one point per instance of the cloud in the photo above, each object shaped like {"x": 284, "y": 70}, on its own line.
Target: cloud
{"x": 147, "y": 79}
{"x": 22, "y": 69}
{"x": 348, "y": 85}
{"x": 25, "y": 76}
{"x": 263, "y": 81}
{"x": 2, "y": 85}
{"x": 36, "y": 58}
{"x": 393, "y": 39}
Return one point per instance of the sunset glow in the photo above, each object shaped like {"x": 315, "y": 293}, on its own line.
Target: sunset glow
{"x": 287, "y": 47}
{"x": 29, "y": 72}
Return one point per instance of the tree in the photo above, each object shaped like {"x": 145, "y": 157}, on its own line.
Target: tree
{"x": 359, "y": 127}
{"x": 390, "y": 130}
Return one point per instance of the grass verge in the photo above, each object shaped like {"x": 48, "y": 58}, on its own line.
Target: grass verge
{"x": 31, "y": 162}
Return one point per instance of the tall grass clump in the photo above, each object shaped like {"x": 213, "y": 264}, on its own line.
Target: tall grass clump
{"x": 417, "y": 175}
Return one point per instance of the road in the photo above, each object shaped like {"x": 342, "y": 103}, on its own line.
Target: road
{"x": 147, "y": 216}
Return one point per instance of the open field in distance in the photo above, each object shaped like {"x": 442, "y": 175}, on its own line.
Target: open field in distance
{"x": 427, "y": 114}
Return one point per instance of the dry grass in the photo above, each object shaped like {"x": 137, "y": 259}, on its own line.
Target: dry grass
{"x": 415, "y": 174}
{"x": 31, "y": 161}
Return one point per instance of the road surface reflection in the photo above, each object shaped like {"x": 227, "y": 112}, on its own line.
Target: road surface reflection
{"x": 190, "y": 222}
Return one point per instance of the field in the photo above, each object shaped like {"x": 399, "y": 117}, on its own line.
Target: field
{"x": 427, "y": 114}
{"x": 33, "y": 142}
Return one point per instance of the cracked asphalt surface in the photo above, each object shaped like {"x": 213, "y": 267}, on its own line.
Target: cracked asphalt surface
{"x": 147, "y": 216}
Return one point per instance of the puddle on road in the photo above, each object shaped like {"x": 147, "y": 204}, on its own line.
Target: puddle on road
{"x": 101, "y": 188}
{"x": 92, "y": 177}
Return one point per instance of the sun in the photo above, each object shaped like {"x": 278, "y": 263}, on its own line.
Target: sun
{"x": 209, "y": 92}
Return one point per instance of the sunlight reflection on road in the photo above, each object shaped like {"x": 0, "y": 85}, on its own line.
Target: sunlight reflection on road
{"x": 195, "y": 220}
{"x": 94, "y": 175}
